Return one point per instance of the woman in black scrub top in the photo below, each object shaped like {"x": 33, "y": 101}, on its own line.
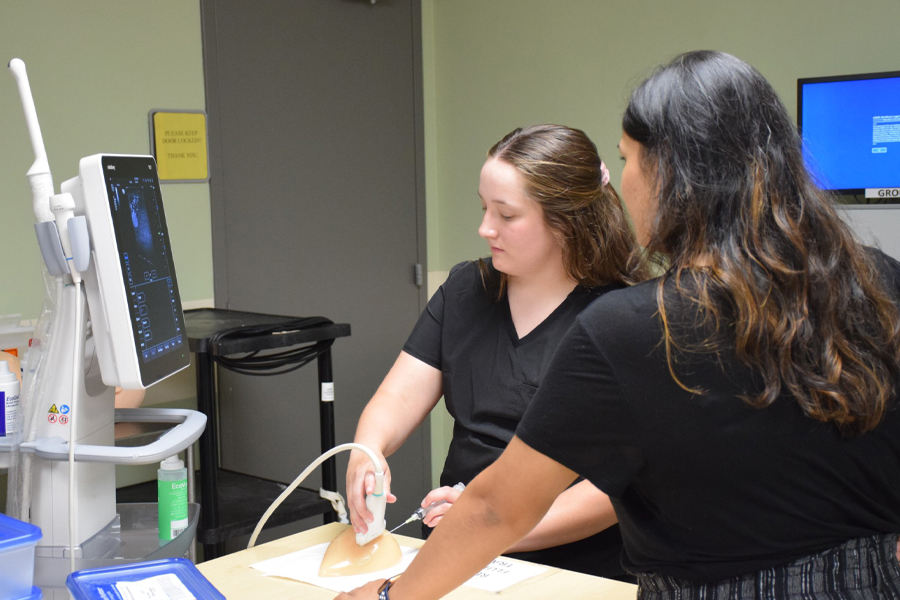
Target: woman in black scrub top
{"x": 559, "y": 238}
{"x": 740, "y": 410}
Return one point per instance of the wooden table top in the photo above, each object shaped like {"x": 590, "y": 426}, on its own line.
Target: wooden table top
{"x": 232, "y": 575}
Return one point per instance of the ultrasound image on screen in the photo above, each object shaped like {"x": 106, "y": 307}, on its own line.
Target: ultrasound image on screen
{"x": 140, "y": 220}
{"x": 145, "y": 258}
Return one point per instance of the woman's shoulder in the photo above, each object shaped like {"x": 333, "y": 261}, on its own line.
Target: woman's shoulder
{"x": 620, "y": 304}
{"x": 582, "y": 296}
{"x": 888, "y": 268}
{"x": 600, "y": 290}
{"x": 471, "y": 275}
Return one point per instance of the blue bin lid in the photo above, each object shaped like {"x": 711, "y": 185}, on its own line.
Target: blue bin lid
{"x": 14, "y": 532}
{"x": 36, "y": 594}
{"x": 100, "y": 584}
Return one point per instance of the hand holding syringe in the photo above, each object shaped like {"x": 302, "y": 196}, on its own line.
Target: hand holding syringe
{"x": 420, "y": 513}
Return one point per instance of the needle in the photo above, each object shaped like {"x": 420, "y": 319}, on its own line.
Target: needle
{"x": 420, "y": 513}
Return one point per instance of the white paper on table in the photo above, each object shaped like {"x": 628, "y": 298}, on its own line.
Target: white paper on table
{"x": 503, "y": 573}
{"x": 303, "y": 565}
{"x": 161, "y": 587}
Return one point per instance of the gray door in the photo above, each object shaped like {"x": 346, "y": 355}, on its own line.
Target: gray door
{"x": 318, "y": 209}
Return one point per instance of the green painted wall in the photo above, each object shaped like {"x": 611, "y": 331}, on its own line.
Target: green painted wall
{"x": 500, "y": 64}
{"x": 97, "y": 67}
{"x": 492, "y": 66}
{"x": 429, "y": 108}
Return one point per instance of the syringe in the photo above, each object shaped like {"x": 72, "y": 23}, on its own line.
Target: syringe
{"x": 420, "y": 513}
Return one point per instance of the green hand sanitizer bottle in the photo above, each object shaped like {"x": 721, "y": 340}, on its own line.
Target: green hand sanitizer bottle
{"x": 172, "y": 494}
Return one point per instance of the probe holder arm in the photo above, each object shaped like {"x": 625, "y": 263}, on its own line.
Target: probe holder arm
{"x": 51, "y": 247}
{"x": 80, "y": 240}
{"x": 52, "y": 250}
{"x": 190, "y": 425}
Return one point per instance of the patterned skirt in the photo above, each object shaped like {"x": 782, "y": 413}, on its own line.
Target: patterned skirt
{"x": 862, "y": 569}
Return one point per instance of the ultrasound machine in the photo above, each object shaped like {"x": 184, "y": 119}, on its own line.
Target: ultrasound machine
{"x": 112, "y": 317}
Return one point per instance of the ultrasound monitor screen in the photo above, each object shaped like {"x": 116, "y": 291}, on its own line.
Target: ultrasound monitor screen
{"x": 146, "y": 261}
{"x": 851, "y": 130}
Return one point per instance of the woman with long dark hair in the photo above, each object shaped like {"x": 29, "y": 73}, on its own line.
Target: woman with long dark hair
{"x": 559, "y": 238}
{"x": 740, "y": 410}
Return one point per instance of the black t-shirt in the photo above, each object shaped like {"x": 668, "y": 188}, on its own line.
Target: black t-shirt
{"x": 489, "y": 379}
{"x": 705, "y": 487}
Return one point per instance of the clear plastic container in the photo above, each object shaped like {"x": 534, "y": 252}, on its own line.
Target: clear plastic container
{"x": 131, "y": 538}
{"x": 17, "y": 541}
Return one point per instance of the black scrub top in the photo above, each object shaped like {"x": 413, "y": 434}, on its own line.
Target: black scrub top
{"x": 489, "y": 378}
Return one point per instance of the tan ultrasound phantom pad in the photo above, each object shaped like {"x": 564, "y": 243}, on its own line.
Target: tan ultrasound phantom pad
{"x": 345, "y": 557}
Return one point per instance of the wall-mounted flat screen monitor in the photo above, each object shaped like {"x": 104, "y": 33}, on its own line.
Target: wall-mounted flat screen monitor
{"x": 850, "y": 126}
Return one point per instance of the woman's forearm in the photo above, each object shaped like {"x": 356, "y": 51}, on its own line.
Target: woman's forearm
{"x": 401, "y": 403}
{"x": 457, "y": 550}
{"x": 490, "y": 515}
{"x": 578, "y": 513}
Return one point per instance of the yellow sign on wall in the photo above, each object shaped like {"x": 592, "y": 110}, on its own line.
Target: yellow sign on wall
{"x": 179, "y": 145}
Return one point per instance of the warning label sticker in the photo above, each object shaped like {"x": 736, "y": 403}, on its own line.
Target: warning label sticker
{"x": 53, "y": 410}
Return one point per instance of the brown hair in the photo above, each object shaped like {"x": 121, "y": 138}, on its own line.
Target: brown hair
{"x": 779, "y": 276}
{"x": 561, "y": 170}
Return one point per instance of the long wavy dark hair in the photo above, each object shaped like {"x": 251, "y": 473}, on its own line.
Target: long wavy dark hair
{"x": 561, "y": 171}
{"x": 805, "y": 307}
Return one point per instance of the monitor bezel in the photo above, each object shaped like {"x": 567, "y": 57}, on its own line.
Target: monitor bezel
{"x": 836, "y": 79}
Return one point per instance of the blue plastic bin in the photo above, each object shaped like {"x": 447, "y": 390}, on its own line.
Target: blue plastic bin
{"x": 17, "y": 542}
{"x": 100, "y": 584}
